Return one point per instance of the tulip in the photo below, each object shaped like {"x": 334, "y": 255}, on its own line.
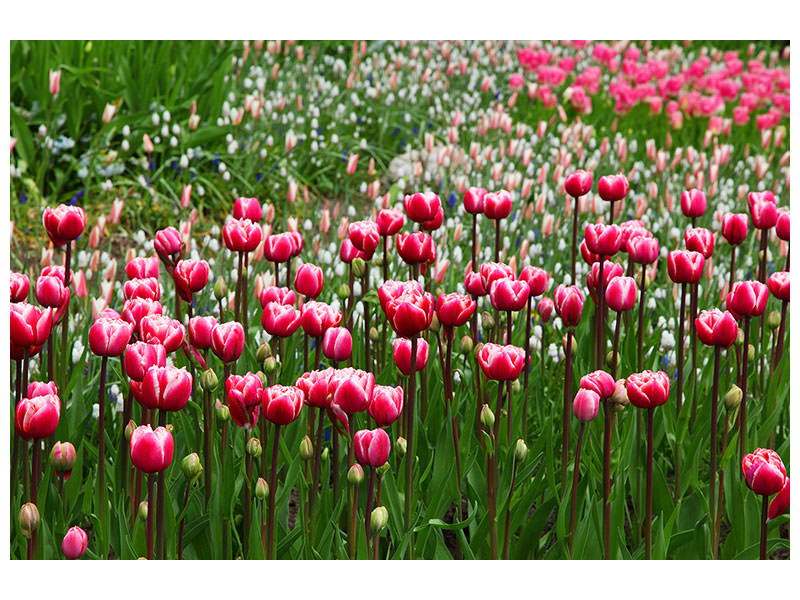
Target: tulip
{"x": 693, "y": 204}
{"x": 50, "y": 291}
{"x": 142, "y": 288}
{"x": 348, "y": 252}
{"x": 474, "y": 200}
{"x": 109, "y": 337}
{"x": 62, "y": 459}
{"x": 493, "y": 271}
{"x": 509, "y": 295}
{"x": 281, "y": 404}
{"x": 579, "y": 183}
{"x": 54, "y": 80}
{"x": 169, "y": 246}
{"x": 372, "y": 447}
{"x": 780, "y": 503}
{"x": 699, "y": 239}
{"x": 501, "y": 363}
{"x": 199, "y": 330}
{"x": 386, "y": 405}
{"x": 337, "y": 344}
{"x": 435, "y": 222}
{"x": 621, "y": 293}
{"x": 351, "y": 390}
{"x": 75, "y": 543}
{"x": 20, "y": 286}
{"x": 545, "y": 308}
{"x": 762, "y": 209}
{"x": 612, "y": 188}
{"x": 410, "y": 313}
{"x": 765, "y": 474}
{"x": 247, "y": 208}
{"x": 421, "y": 207}
{"x": 37, "y": 417}
{"x": 190, "y": 276}
{"x": 64, "y": 224}
{"x": 364, "y": 235}
{"x": 473, "y": 284}
{"x": 140, "y": 268}
{"x": 568, "y": 301}
{"x": 734, "y": 228}
{"x": 454, "y": 310}
{"x": 317, "y": 317}
{"x": 281, "y": 295}
{"x": 749, "y": 298}
{"x": 136, "y": 309}
{"x": 716, "y": 328}
{"x": 227, "y": 341}
{"x": 244, "y": 395}
{"x": 166, "y": 388}
{"x": 29, "y": 523}
{"x": 401, "y": 351}
{"x": 779, "y": 285}
{"x": 151, "y": 452}
{"x": 390, "y": 221}
{"x": 30, "y": 325}
{"x": 497, "y": 205}
{"x": 585, "y": 408}
{"x": 415, "y": 248}
{"x": 159, "y": 328}
{"x": 604, "y": 240}
{"x": 280, "y": 320}
{"x": 308, "y": 280}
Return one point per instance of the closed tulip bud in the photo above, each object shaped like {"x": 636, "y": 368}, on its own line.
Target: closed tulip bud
{"x": 467, "y": 344}
{"x": 253, "y": 447}
{"x": 374, "y": 335}
{"x": 378, "y": 519}
{"x": 733, "y": 398}
{"x": 208, "y": 380}
{"x": 325, "y": 454}
{"x": 401, "y": 447}
{"x": 62, "y": 458}
{"x": 191, "y": 467}
{"x": 355, "y": 475}
{"x": 223, "y": 412}
{"x": 516, "y": 386}
{"x": 521, "y": 451}
{"x": 435, "y": 325}
{"x": 343, "y": 292}
{"x": 28, "y": 519}
{"x": 264, "y": 350}
{"x": 739, "y": 337}
{"x": 487, "y": 320}
{"x": 381, "y": 471}
{"x": 220, "y": 289}
{"x": 306, "y": 448}
{"x": 751, "y": 352}
{"x": 75, "y": 543}
{"x": 143, "y": 510}
{"x": 270, "y": 364}
{"x": 620, "y": 396}
{"x": 262, "y": 489}
{"x": 610, "y": 359}
{"x": 774, "y": 320}
{"x": 586, "y": 405}
{"x": 487, "y": 417}
{"x": 129, "y": 429}
{"x": 263, "y": 377}
{"x": 359, "y": 267}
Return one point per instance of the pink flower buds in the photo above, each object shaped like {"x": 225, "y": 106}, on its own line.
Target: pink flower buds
{"x": 716, "y": 328}
{"x": 190, "y": 276}
{"x": 166, "y": 388}
{"x": 247, "y": 208}
{"x": 734, "y": 228}
{"x": 473, "y": 200}
{"x": 647, "y": 389}
{"x": 604, "y": 240}
{"x": 37, "y": 417}
{"x": 501, "y": 363}
{"x": 390, "y": 221}
{"x": 764, "y": 472}
{"x": 281, "y": 404}
{"x": 578, "y": 183}
{"x": 109, "y": 337}
{"x": 545, "y": 308}
{"x": 621, "y": 293}
{"x": 64, "y": 223}
{"x": 497, "y": 205}
{"x": 454, "y": 310}
{"x": 75, "y": 543}
{"x": 779, "y": 284}
{"x": 151, "y": 451}
{"x": 693, "y": 203}
{"x": 168, "y": 245}
{"x": 372, "y": 447}
{"x": 586, "y": 405}
{"x": 243, "y": 394}
{"x": 762, "y": 209}
{"x": 227, "y": 341}
{"x": 62, "y": 459}
{"x": 386, "y": 404}
{"x": 612, "y": 187}
{"x": 401, "y": 351}
{"x": 200, "y": 329}
{"x": 748, "y": 298}
{"x": 568, "y": 301}
{"x": 685, "y": 266}
{"x": 337, "y": 344}
{"x": 308, "y": 280}
{"x": 280, "y": 320}
{"x": 421, "y": 207}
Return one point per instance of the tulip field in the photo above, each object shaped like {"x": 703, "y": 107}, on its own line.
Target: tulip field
{"x": 399, "y": 300}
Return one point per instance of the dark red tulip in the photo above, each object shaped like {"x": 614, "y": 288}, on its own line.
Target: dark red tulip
{"x": 390, "y": 221}
{"x": 421, "y": 207}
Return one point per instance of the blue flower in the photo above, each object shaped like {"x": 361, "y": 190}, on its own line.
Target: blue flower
{"x": 416, "y": 129}
{"x": 81, "y": 192}
{"x": 152, "y": 164}
{"x": 258, "y": 177}
{"x": 23, "y": 198}
{"x": 451, "y": 201}
{"x": 396, "y": 131}
{"x": 216, "y": 159}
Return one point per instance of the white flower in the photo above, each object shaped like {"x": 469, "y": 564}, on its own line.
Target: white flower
{"x": 667, "y": 340}
{"x": 95, "y": 411}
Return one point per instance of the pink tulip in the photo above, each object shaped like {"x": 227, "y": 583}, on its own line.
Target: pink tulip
{"x": 314, "y": 386}
{"x": 243, "y": 394}
{"x": 54, "y": 81}
{"x": 308, "y": 280}
{"x": 281, "y": 295}
{"x": 699, "y": 239}
{"x": 199, "y": 330}
{"x": 612, "y": 188}
{"x": 497, "y": 205}
{"x": 685, "y": 266}
{"x": 50, "y": 291}
{"x": 647, "y": 389}
{"x": 280, "y": 320}
{"x": 473, "y": 284}
{"x": 281, "y": 404}
{"x": 474, "y": 200}
{"x": 734, "y": 228}
{"x": 136, "y": 309}
{"x": 600, "y": 382}
{"x": 401, "y": 352}
{"x": 37, "y": 417}
{"x": 142, "y": 288}
{"x": 75, "y": 543}
{"x": 372, "y": 447}
{"x": 748, "y": 298}
{"x": 337, "y": 344}
{"x": 454, "y": 310}
{"x": 762, "y": 209}
{"x": 247, "y": 208}
{"x": 621, "y": 293}
{"x": 568, "y": 302}
{"x": 501, "y": 363}
{"x": 279, "y": 247}
{"x": 410, "y": 313}
{"x": 351, "y": 389}
{"x": 415, "y": 248}
{"x": 586, "y": 405}
{"x": 643, "y": 250}
{"x": 109, "y": 337}
{"x": 782, "y": 225}
{"x": 151, "y": 451}
{"x": 20, "y": 286}
{"x": 545, "y": 308}
{"x": 536, "y": 278}
{"x": 492, "y": 271}
{"x": 64, "y": 223}
{"x": 390, "y": 221}
{"x": 364, "y": 235}
{"x": 169, "y": 245}
{"x": 693, "y": 203}
{"x": 386, "y": 404}
{"x": 421, "y": 207}
{"x": 140, "y": 356}
{"x": 716, "y": 328}
{"x": 242, "y": 235}
{"x": 764, "y": 472}
{"x": 317, "y": 317}
{"x": 507, "y": 294}
{"x": 159, "y": 328}
{"x": 227, "y": 341}
{"x": 604, "y": 240}
{"x": 779, "y": 284}
{"x": 780, "y": 503}
{"x": 140, "y": 267}
{"x": 578, "y": 183}
{"x": 166, "y": 388}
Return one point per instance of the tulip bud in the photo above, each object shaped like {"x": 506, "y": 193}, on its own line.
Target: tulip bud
{"x": 466, "y": 344}
{"x": 220, "y": 289}
{"x": 254, "y": 447}
{"x": 142, "y": 512}
{"x": 379, "y": 519}
{"x": 751, "y": 352}
{"x": 435, "y": 325}
{"x": 381, "y": 471}
{"x": 487, "y": 417}
{"x": 169, "y": 427}
{"x": 270, "y": 364}
{"x": 610, "y": 359}
{"x": 620, "y": 396}
{"x": 733, "y": 398}
{"x": 521, "y": 451}
{"x": 373, "y": 334}
{"x": 263, "y": 377}
{"x": 516, "y": 386}
{"x": 262, "y": 489}
{"x": 129, "y": 429}
{"x": 28, "y": 519}
{"x": 208, "y": 380}
{"x": 487, "y": 320}
{"x": 343, "y": 292}
{"x": 63, "y": 457}
{"x": 191, "y": 467}
{"x": 359, "y": 267}
{"x": 739, "y": 337}
{"x": 648, "y": 281}
{"x": 400, "y": 447}
{"x": 774, "y": 320}
{"x": 355, "y": 475}
{"x": 306, "y": 448}
{"x": 223, "y": 412}
{"x": 324, "y": 454}
{"x": 263, "y": 352}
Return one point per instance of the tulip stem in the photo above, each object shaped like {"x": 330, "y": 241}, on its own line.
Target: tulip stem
{"x": 124, "y": 451}
{"x": 496, "y": 241}
{"x": 639, "y": 357}
{"x": 649, "y": 493}
{"x": 315, "y": 469}
{"x": 764, "y": 514}
{"x": 601, "y": 329}
{"x": 448, "y": 389}
{"x": 365, "y": 305}
{"x": 273, "y": 482}
{"x": 611, "y": 212}
{"x": 679, "y": 403}
{"x": 565, "y": 412}
{"x": 151, "y": 478}
{"x": 692, "y": 316}
{"x": 491, "y": 474}
{"x": 412, "y": 384}
{"x": 506, "y": 535}
{"x": 715, "y": 545}
{"x": 743, "y": 386}
{"x": 508, "y": 384}
{"x": 574, "y": 239}
{"x": 161, "y": 542}
{"x": 616, "y": 346}
{"x": 207, "y": 451}
{"x": 575, "y": 475}
{"x": 238, "y": 299}
{"x": 15, "y": 467}
{"x": 781, "y": 333}
{"x": 245, "y": 281}
{"x": 368, "y": 507}
{"x": 101, "y": 449}
{"x": 183, "y": 519}
{"x": 527, "y": 367}
{"x": 65, "y": 318}
{"x": 375, "y": 536}
{"x": 608, "y": 419}
{"x": 714, "y": 401}
{"x": 248, "y": 499}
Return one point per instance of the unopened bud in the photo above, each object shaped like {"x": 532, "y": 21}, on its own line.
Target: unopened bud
{"x": 324, "y": 454}
{"x": 774, "y": 320}
{"x": 383, "y": 468}
{"x": 191, "y": 467}
{"x": 401, "y": 446}
{"x": 467, "y": 344}
{"x": 355, "y": 475}
{"x": 263, "y": 352}
{"x": 610, "y": 359}
{"x": 435, "y": 325}
{"x": 220, "y": 289}
{"x": 254, "y": 447}
{"x": 169, "y": 427}
{"x": 573, "y": 347}
{"x": 270, "y": 364}
{"x": 516, "y": 386}
{"x": 306, "y": 448}
{"x": 343, "y": 292}
{"x": 648, "y": 281}
{"x": 359, "y": 267}
{"x": 263, "y": 378}
{"x": 620, "y": 396}
{"x": 63, "y": 457}
{"x": 374, "y": 336}
{"x": 223, "y": 412}
{"x": 751, "y": 352}
{"x": 209, "y": 380}
{"x": 740, "y": 336}
{"x": 28, "y": 519}
{"x": 379, "y": 519}
{"x": 487, "y": 417}
{"x": 487, "y": 320}
{"x": 129, "y": 429}
{"x": 262, "y": 489}
{"x": 142, "y": 512}
{"x": 521, "y": 451}
{"x": 733, "y": 398}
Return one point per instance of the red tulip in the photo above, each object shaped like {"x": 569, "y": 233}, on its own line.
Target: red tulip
{"x": 764, "y": 472}
{"x": 578, "y": 183}
{"x": 314, "y": 386}
{"x": 190, "y": 276}
{"x": 64, "y": 223}
{"x": 613, "y": 187}
{"x": 604, "y": 240}
{"x": 200, "y": 331}
{"x": 473, "y": 200}
{"x": 136, "y": 309}
{"x": 699, "y": 239}
{"x": 421, "y": 207}
{"x": 168, "y": 244}
{"x": 435, "y": 222}
{"x": 778, "y": 284}
{"x": 166, "y": 388}
{"x": 20, "y": 286}
{"x": 536, "y": 278}
{"x": 748, "y": 298}
{"x": 30, "y": 325}
{"x": 782, "y": 225}
{"x": 372, "y": 447}
{"x": 492, "y": 271}
{"x": 647, "y": 389}
{"x": 390, "y": 221}
{"x": 509, "y": 294}
{"x": 280, "y": 320}
{"x": 279, "y": 247}
{"x": 337, "y": 344}
{"x": 545, "y": 308}
{"x": 643, "y": 250}
{"x": 308, "y": 281}
{"x": 63, "y": 457}
{"x": 247, "y": 208}
{"x": 351, "y": 389}
{"x": 297, "y": 242}
{"x": 108, "y": 337}
{"x": 147, "y": 287}
{"x": 589, "y": 256}
{"x": 410, "y": 313}
{"x": 734, "y": 227}
{"x": 568, "y": 301}
{"x": 610, "y": 271}
{"x": 41, "y": 388}
{"x": 140, "y": 356}
{"x": 621, "y": 293}
{"x": 780, "y": 503}
{"x": 501, "y": 363}
{"x": 364, "y": 235}
{"x": 75, "y": 543}
{"x": 273, "y": 293}
{"x": 348, "y": 252}
{"x": 281, "y": 404}
{"x": 241, "y": 235}
{"x": 243, "y": 394}
{"x": 685, "y": 266}
{"x": 600, "y": 382}
{"x": 716, "y": 328}
{"x": 227, "y": 341}
{"x": 386, "y": 404}
{"x": 151, "y": 451}
{"x": 140, "y": 267}
{"x": 632, "y": 229}
{"x": 401, "y": 351}
{"x": 159, "y": 328}
{"x": 586, "y": 405}
{"x": 50, "y": 291}
{"x": 317, "y": 317}
{"x": 693, "y": 203}
{"x": 762, "y": 209}
{"x": 454, "y": 310}
{"x": 415, "y": 248}
{"x": 391, "y": 289}
{"x": 37, "y": 417}
{"x": 473, "y": 284}
{"x": 497, "y": 205}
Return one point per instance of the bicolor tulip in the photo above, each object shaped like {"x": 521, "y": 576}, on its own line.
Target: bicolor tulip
{"x": 454, "y": 310}
{"x": 199, "y": 330}
{"x": 281, "y": 404}
{"x": 37, "y": 417}
{"x": 243, "y": 394}
{"x": 386, "y": 404}
{"x": 497, "y": 205}
{"x": 578, "y": 183}
{"x": 586, "y": 405}
{"x": 401, "y": 351}
{"x": 621, "y": 293}
{"x": 280, "y": 320}
{"x": 390, "y": 221}
{"x": 247, "y": 208}
{"x": 140, "y": 356}
{"x": 568, "y": 301}
{"x": 748, "y": 298}
{"x": 764, "y": 472}
{"x": 159, "y": 328}
{"x": 647, "y": 389}
{"x": 151, "y": 451}
{"x": 109, "y": 337}
{"x": 613, "y": 187}
{"x": 20, "y": 286}
{"x": 166, "y": 388}
{"x": 227, "y": 341}
{"x": 473, "y": 200}
{"x": 372, "y": 447}
{"x": 685, "y": 266}
{"x": 273, "y": 293}
{"x": 603, "y": 240}
{"x": 64, "y": 223}
{"x": 308, "y": 281}
{"x": 693, "y": 203}
{"x": 501, "y": 363}
{"x": 337, "y": 344}
{"x": 421, "y": 207}
{"x": 734, "y": 228}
